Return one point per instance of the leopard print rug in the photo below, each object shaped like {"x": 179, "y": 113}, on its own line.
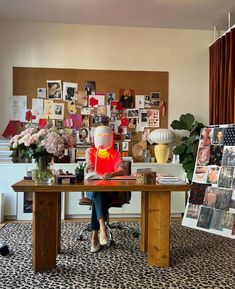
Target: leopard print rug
{"x": 198, "y": 260}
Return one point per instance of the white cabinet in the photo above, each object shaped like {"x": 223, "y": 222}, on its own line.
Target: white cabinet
{"x": 177, "y": 198}
{"x": 10, "y": 174}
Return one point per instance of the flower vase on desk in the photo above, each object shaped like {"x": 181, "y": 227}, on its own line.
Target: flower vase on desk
{"x": 43, "y": 173}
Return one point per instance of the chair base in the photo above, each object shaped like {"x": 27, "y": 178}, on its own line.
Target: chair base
{"x": 110, "y": 227}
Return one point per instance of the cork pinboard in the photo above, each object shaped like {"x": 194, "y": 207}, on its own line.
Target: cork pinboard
{"x": 26, "y": 80}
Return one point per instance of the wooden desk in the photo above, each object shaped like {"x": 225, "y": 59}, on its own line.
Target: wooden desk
{"x": 155, "y": 217}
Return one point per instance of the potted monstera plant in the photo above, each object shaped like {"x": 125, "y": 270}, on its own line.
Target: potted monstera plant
{"x": 187, "y": 150}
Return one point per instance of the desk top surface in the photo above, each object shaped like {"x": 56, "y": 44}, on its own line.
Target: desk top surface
{"x": 97, "y": 186}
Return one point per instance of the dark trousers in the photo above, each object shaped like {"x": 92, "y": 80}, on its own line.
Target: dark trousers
{"x": 100, "y": 205}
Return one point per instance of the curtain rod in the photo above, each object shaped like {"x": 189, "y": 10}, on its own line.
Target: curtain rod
{"x": 222, "y": 34}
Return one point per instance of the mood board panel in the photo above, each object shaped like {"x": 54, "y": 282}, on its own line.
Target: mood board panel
{"x": 211, "y": 203}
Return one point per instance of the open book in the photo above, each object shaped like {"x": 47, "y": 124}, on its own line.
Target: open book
{"x": 95, "y": 176}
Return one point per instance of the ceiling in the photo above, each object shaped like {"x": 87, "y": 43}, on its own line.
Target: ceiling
{"x": 179, "y": 14}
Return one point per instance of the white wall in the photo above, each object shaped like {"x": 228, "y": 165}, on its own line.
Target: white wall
{"x": 184, "y": 53}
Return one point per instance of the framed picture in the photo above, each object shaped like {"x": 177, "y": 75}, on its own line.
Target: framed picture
{"x": 25, "y": 206}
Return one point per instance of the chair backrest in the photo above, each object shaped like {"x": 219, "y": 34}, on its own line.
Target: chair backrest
{"x": 120, "y": 198}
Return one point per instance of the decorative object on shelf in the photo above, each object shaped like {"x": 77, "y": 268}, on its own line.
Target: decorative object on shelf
{"x": 187, "y": 150}
{"x": 147, "y": 156}
{"x": 163, "y": 137}
{"x": 138, "y": 151}
{"x": 42, "y": 145}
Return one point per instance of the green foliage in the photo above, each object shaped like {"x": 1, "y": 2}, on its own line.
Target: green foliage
{"x": 81, "y": 166}
{"x": 187, "y": 150}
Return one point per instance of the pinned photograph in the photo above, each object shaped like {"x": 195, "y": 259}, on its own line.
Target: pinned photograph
{"x": 58, "y": 111}
{"x": 90, "y": 87}
{"x": 127, "y": 136}
{"x": 69, "y": 90}
{"x": 54, "y": 89}
{"x": 203, "y": 156}
{"x": 116, "y": 146}
{"x": 83, "y": 135}
{"x": 111, "y": 96}
{"x": 218, "y": 136}
{"x": 48, "y": 108}
{"x": 153, "y": 118}
{"x": 132, "y": 113}
{"x": 85, "y": 121}
{"x": 205, "y": 137}
{"x": 155, "y": 98}
{"x": 81, "y": 98}
{"x": 228, "y": 220}
{"x": 147, "y": 101}
{"x": 41, "y": 92}
{"x": 205, "y": 217}
{"x": 126, "y": 98}
{"x": 213, "y": 174}
{"x": 217, "y": 220}
{"x": 228, "y": 157}
{"x": 223, "y": 199}
{"x": 95, "y": 100}
{"x": 132, "y": 123}
{"x": 200, "y": 174}
{"x": 210, "y": 197}
{"x": 225, "y": 177}
{"x": 86, "y": 110}
{"x": 139, "y": 101}
{"x": 71, "y": 107}
{"x": 192, "y": 211}
{"x": 114, "y": 105}
{"x": 102, "y": 109}
{"x": 59, "y": 123}
{"x": 125, "y": 146}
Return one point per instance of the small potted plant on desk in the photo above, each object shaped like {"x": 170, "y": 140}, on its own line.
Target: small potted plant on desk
{"x": 79, "y": 172}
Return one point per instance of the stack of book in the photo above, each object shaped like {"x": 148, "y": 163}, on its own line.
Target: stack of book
{"x": 167, "y": 179}
{"x": 5, "y": 152}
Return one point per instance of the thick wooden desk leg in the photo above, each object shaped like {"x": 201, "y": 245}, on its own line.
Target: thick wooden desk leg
{"x": 45, "y": 210}
{"x": 144, "y": 222}
{"x": 58, "y": 223}
{"x": 159, "y": 228}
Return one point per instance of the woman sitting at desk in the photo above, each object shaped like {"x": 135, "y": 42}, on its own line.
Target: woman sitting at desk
{"x": 106, "y": 162}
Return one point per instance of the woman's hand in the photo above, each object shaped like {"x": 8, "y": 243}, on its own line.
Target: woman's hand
{"x": 107, "y": 176}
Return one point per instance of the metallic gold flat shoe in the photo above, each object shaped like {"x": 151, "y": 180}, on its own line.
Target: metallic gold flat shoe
{"x": 104, "y": 241}
{"x": 96, "y": 248}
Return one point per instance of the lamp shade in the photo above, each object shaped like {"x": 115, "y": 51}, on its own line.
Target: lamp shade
{"x": 161, "y": 136}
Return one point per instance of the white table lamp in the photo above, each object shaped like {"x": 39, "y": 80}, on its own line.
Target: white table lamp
{"x": 162, "y": 137}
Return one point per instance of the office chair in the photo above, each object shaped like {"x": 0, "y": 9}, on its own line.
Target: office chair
{"x": 122, "y": 198}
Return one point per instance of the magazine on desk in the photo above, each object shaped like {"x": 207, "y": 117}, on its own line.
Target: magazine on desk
{"x": 95, "y": 176}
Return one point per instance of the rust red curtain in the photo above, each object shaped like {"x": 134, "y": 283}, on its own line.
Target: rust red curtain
{"x": 222, "y": 79}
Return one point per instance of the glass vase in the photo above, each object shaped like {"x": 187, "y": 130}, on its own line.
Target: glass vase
{"x": 43, "y": 172}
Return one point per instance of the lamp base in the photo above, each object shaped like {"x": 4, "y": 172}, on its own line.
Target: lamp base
{"x": 162, "y": 152}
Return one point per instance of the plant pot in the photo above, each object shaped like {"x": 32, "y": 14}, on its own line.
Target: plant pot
{"x": 79, "y": 175}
